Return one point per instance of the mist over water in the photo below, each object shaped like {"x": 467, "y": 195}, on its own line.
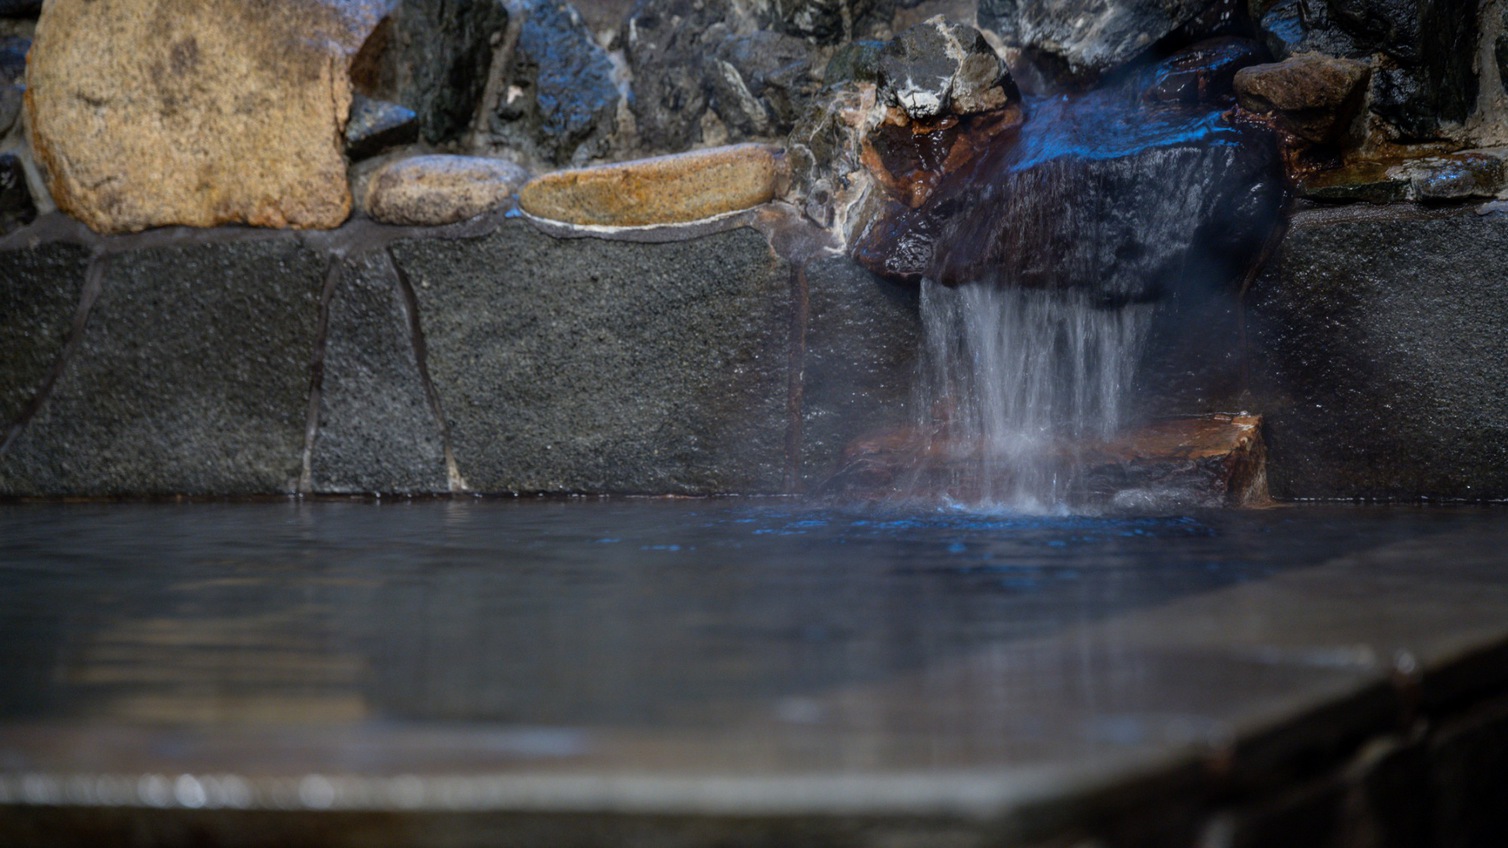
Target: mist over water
{"x": 1016, "y": 383}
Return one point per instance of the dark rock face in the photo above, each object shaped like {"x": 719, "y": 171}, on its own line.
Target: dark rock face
{"x": 1382, "y": 327}
{"x": 1423, "y": 51}
{"x": 755, "y": 68}
{"x": 938, "y": 68}
{"x": 1203, "y": 73}
{"x": 376, "y": 125}
{"x": 665, "y": 43}
{"x": 601, "y": 366}
{"x": 828, "y": 21}
{"x": 433, "y": 56}
{"x": 16, "y": 206}
{"x": 558, "y": 99}
{"x": 1106, "y": 192}
{"x": 12, "y": 79}
{"x": 759, "y": 84}
{"x": 377, "y": 432}
{"x": 39, "y": 296}
{"x": 20, "y": 8}
{"x": 854, "y": 62}
{"x": 192, "y": 377}
{"x": 862, "y": 340}
{"x": 1085, "y": 38}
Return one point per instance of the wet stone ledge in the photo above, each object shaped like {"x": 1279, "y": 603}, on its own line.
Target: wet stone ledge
{"x": 1379, "y": 357}
{"x": 587, "y": 365}
{"x": 191, "y": 376}
{"x": 488, "y": 356}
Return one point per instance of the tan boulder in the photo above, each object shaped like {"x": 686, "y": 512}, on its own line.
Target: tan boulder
{"x": 147, "y": 113}
{"x": 428, "y": 191}
{"x": 664, "y": 190}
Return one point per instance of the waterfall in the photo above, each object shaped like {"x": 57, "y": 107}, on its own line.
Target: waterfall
{"x": 1018, "y": 383}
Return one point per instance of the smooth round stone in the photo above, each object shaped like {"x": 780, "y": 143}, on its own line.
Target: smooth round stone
{"x": 428, "y": 191}
{"x": 664, "y": 190}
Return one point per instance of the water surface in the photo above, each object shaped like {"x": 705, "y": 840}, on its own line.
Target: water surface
{"x": 629, "y": 613}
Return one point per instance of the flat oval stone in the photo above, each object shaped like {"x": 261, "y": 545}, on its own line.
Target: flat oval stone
{"x": 672, "y": 189}
{"x": 428, "y": 191}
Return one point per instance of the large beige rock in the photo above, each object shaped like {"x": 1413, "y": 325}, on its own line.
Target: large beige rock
{"x": 146, "y": 113}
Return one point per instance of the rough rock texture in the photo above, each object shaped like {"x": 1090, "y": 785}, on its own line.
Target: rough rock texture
{"x": 937, "y": 68}
{"x": 1423, "y": 53}
{"x": 827, "y": 21}
{"x": 376, "y": 125}
{"x": 1315, "y": 97}
{"x": 557, "y": 99}
{"x": 438, "y": 189}
{"x": 1085, "y": 38}
{"x": 665, "y": 42}
{"x": 377, "y": 431}
{"x": 39, "y": 296}
{"x": 664, "y": 190}
{"x": 760, "y": 83}
{"x": 151, "y": 112}
{"x": 1456, "y": 176}
{"x": 16, "y": 206}
{"x": 600, "y": 366}
{"x": 12, "y": 80}
{"x": 1063, "y": 204}
{"x": 192, "y": 377}
{"x": 863, "y": 335}
{"x": 433, "y": 56}
{"x": 715, "y": 70}
{"x": 1382, "y": 327}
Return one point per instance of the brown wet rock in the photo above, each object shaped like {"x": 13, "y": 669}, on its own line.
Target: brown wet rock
{"x": 1214, "y": 460}
{"x": 663, "y": 190}
{"x": 1315, "y": 97}
{"x": 146, "y": 113}
{"x": 946, "y": 98}
{"x": 428, "y": 191}
{"x": 1059, "y": 203}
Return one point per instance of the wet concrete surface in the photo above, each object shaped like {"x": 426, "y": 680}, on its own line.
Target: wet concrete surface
{"x": 726, "y": 672}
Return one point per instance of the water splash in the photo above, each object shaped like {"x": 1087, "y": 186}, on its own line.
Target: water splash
{"x": 1017, "y": 383}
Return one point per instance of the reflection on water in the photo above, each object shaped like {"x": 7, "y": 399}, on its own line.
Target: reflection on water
{"x": 622, "y": 613}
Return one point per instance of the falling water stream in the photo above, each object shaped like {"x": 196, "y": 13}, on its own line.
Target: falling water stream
{"x": 1015, "y": 381}
{"x": 1044, "y": 260}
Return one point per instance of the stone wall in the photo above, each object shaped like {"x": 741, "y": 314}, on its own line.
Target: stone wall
{"x": 483, "y": 352}
{"x": 491, "y": 357}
